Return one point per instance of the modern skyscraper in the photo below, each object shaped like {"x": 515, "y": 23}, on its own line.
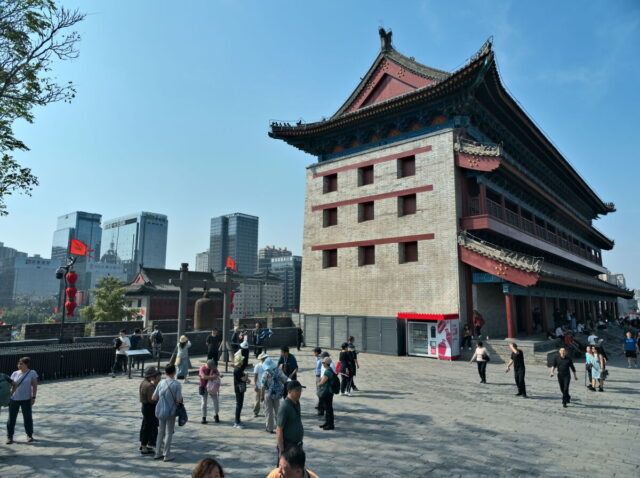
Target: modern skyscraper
{"x": 289, "y": 270}
{"x": 83, "y": 226}
{"x": 136, "y": 239}
{"x": 202, "y": 261}
{"x": 236, "y": 236}
{"x": 28, "y": 279}
{"x": 7, "y": 252}
{"x": 265, "y": 254}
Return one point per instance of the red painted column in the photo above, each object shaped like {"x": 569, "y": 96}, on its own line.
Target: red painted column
{"x": 543, "y": 314}
{"x": 483, "y": 198}
{"x": 511, "y": 320}
{"x": 468, "y": 294}
{"x": 528, "y": 316}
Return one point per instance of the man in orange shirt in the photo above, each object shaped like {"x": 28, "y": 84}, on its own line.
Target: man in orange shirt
{"x": 291, "y": 465}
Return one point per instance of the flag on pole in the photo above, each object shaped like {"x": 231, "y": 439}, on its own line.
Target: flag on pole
{"x": 231, "y": 264}
{"x": 79, "y": 248}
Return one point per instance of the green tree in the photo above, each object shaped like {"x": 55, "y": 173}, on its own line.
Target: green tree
{"x": 110, "y": 302}
{"x": 33, "y": 33}
{"x": 26, "y": 311}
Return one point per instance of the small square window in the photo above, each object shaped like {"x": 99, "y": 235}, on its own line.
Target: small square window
{"x": 330, "y": 217}
{"x": 406, "y": 205}
{"x": 408, "y": 252}
{"x": 329, "y": 258}
{"x": 330, "y": 183}
{"x": 365, "y": 211}
{"x": 366, "y": 255}
{"x": 365, "y": 175}
{"x": 406, "y": 166}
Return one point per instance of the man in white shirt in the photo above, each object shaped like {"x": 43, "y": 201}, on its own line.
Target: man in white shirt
{"x": 121, "y": 344}
{"x": 559, "y": 332}
{"x": 592, "y": 339}
{"x": 258, "y": 370}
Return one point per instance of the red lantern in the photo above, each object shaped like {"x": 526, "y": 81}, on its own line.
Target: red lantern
{"x": 72, "y": 277}
{"x": 70, "y": 306}
{"x": 71, "y": 292}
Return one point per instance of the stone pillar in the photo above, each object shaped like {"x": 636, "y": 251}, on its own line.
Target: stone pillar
{"x": 511, "y": 319}
{"x": 528, "y": 317}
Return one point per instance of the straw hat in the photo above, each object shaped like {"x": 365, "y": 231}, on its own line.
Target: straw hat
{"x": 183, "y": 339}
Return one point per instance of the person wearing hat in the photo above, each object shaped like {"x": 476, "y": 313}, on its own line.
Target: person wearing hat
{"x": 209, "y": 387}
{"x": 182, "y": 358}
{"x": 240, "y": 382}
{"x": 149, "y": 427}
{"x": 325, "y": 393}
{"x": 257, "y": 380}
{"x": 244, "y": 350}
{"x": 289, "y": 429}
{"x": 271, "y": 391}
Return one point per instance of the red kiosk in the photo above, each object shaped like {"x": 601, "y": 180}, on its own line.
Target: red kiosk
{"x": 432, "y": 335}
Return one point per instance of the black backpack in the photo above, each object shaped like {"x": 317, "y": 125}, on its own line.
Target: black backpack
{"x": 157, "y": 337}
{"x": 335, "y": 384}
{"x": 117, "y": 342}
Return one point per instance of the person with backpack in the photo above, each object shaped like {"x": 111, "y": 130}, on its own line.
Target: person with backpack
{"x": 5, "y": 390}
{"x": 210, "y": 387}
{"x": 328, "y": 386}
{"x": 167, "y": 394}
{"x": 23, "y": 396}
{"x": 121, "y": 345}
{"x": 156, "y": 340}
{"x": 271, "y": 391}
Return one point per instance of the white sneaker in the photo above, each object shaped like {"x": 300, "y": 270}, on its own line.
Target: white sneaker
{"x": 348, "y": 394}
{"x": 239, "y": 425}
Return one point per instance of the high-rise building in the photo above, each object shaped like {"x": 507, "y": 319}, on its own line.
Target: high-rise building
{"x": 235, "y": 236}
{"x": 139, "y": 238}
{"x": 267, "y": 253}
{"x": 83, "y": 226}
{"x": 7, "y": 252}
{"x": 202, "y": 261}
{"x": 28, "y": 279}
{"x": 289, "y": 270}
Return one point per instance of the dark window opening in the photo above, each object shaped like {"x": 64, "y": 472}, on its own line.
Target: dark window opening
{"x": 408, "y": 252}
{"x": 366, "y": 255}
{"x": 330, "y": 258}
{"x": 407, "y": 205}
{"x": 330, "y": 183}
{"x": 330, "y": 217}
{"x": 494, "y": 196}
{"x": 406, "y": 166}
{"x": 365, "y": 211}
{"x": 365, "y": 175}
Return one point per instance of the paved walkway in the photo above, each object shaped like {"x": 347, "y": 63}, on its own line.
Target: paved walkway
{"x": 413, "y": 418}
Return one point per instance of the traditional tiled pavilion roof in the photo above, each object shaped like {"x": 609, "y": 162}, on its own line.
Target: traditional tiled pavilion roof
{"x": 151, "y": 280}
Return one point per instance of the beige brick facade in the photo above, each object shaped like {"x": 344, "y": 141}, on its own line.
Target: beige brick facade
{"x": 430, "y": 285}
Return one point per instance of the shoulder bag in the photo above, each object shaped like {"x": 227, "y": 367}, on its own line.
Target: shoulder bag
{"x": 181, "y": 412}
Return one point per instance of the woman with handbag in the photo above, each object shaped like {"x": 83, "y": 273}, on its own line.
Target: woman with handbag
{"x": 149, "y": 427}
{"x": 168, "y": 395}
{"x": 240, "y": 381}
{"x": 481, "y": 357}
{"x": 209, "y": 387}
{"x": 182, "y": 358}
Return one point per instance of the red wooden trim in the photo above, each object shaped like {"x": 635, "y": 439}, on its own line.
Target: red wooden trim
{"x": 375, "y": 197}
{"x": 497, "y": 268}
{"x": 414, "y": 316}
{"x": 475, "y": 222}
{"x": 373, "y": 161}
{"x": 511, "y": 320}
{"x": 478, "y": 163}
{"x": 374, "y": 242}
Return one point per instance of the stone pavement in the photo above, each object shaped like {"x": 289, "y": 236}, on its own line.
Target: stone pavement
{"x": 414, "y": 417}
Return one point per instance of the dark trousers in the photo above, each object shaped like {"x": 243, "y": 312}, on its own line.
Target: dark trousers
{"x": 213, "y": 355}
{"x": 478, "y": 330}
{"x": 327, "y": 405}
{"x": 564, "y": 381}
{"x": 466, "y": 340}
{"x": 245, "y": 356}
{"x": 14, "y": 407}
{"x": 239, "y": 403}
{"x": 519, "y": 376}
{"x": 257, "y": 350}
{"x": 482, "y": 371}
{"x": 298, "y": 343}
{"x": 345, "y": 383}
{"x": 120, "y": 364}
{"x": 149, "y": 427}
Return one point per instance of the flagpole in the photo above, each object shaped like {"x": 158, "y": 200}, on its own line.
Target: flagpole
{"x": 225, "y": 320}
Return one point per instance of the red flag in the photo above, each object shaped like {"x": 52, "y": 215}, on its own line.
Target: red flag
{"x": 231, "y": 264}
{"x": 79, "y": 248}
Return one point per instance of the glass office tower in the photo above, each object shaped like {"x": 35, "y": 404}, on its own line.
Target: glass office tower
{"x": 83, "y": 226}
{"x": 136, "y": 239}
{"x": 236, "y": 236}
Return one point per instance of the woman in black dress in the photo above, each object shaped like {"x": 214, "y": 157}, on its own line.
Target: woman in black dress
{"x": 240, "y": 381}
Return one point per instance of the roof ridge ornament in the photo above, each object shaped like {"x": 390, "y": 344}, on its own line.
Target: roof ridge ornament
{"x": 385, "y": 39}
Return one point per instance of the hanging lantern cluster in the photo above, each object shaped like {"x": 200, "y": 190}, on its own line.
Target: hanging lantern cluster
{"x": 70, "y": 291}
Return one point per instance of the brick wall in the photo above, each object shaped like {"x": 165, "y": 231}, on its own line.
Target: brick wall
{"x": 430, "y": 285}
{"x": 113, "y": 328}
{"x": 169, "y": 326}
{"x": 52, "y": 331}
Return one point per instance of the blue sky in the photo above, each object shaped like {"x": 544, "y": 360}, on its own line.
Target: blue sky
{"x": 174, "y": 104}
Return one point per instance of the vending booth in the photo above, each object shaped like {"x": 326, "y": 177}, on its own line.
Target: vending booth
{"x": 432, "y": 335}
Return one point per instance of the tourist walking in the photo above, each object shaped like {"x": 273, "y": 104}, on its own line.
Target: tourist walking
{"x": 288, "y": 363}
{"x": 299, "y": 337}
{"x": 208, "y": 468}
{"x": 240, "y": 382}
{"x": 272, "y": 389}
{"x": 564, "y": 364}
{"x": 354, "y": 361}
{"x": 630, "y": 349}
{"x": 597, "y": 370}
{"x": 121, "y": 344}
{"x": 588, "y": 358}
{"x": 168, "y": 394}
{"x": 213, "y": 346}
{"x": 182, "y": 358}
{"x": 466, "y": 337}
{"x": 291, "y": 464}
{"x": 258, "y": 370}
{"x": 235, "y": 339}
{"x": 156, "y": 340}
{"x": 209, "y": 388}
{"x": 478, "y": 322}
{"x": 260, "y": 336}
{"x": 345, "y": 370}
{"x": 289, "y": 429}
{"x": 317, "y": 351}
{"x": 23, "y": 397}
{"x": 481, "y": 357}
{"x": 149, "y": 426}
{"x": 326, "y": 388}
{"x": 517, "y": 360}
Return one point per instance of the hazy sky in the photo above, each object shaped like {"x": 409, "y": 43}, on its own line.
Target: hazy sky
{"x": 175, "y": 98}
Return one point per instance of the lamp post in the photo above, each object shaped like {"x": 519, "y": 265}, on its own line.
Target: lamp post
{"x": 69, "y": 305}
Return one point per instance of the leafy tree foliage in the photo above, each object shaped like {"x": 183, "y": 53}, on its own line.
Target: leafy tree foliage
{"x": 33, "y": 33}
{"x": 110, "y": 302}
{"x": 25, "y": 312}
